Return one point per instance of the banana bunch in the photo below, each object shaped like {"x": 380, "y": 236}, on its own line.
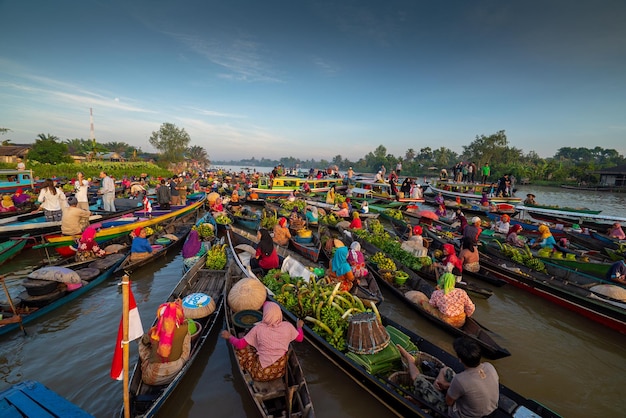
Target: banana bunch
{"x": 376, "y": 227}
{"x": 205, "y": 230}
{"x": 394, "y": 213}
{"x": 149, "y": 231}
{"x": 269, "y": 222}
{"x": 223, "y": 219}
{"x": 329, "y": 219}
{"x": 216, "y": 258}
{"x": 383, "y": 262}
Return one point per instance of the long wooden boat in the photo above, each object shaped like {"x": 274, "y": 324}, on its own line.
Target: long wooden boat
{"x": 381, "y": 382}
{"x": 11, "y": 180}
{"x": 474, "y": 207}
{"x": 468, "y": 191}
{"x": 310, "y": 247}
{"x": 246, "y": 217}
{"x": 12, "y": 247}
{"x": 169, "y": 239}
{"x": 30, "y": 399}
{"x": 283, "y": 397}
{"x": 145, "y": 399}
{"x": 568, "y": 218}
{"x": 564, "y": 209}
{"x": 141, "y": 219}
{"x": 282, "y": 186}
{"x": 382, "y": 191}
{"x": 95, "y": 272}
{"x": 558, "y": 289}
{"x": 597, "y": 188}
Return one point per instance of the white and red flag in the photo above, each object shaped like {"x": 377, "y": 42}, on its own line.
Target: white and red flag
{"x": 135, "y": 330}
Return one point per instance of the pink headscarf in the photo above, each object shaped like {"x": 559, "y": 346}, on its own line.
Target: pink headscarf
{"x": 271, "y": 337}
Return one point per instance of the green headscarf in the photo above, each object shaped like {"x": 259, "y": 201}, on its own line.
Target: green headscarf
{"x": 446, "y": 282}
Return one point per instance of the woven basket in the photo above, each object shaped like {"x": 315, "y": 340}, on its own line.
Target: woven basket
{"x": 198, "y": 305}
{"x": 366, "y": 335}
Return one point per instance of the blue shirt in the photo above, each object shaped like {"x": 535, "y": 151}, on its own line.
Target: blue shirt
{"x": 141, "y": 245}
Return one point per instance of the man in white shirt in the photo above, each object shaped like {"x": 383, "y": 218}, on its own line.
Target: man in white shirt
{"x": 81, "y": 186}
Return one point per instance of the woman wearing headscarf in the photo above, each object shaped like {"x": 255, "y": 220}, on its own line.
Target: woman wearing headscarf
{"x": 281, "y": 233}
{"x": 52, "y": 201}
{"x": 19, "y": 197}
{"x": 357, "y": 260}
{"x": 547, "y": 240}
{"x": 415, "y": 243}
{"x": 503, "y": 225}
{"x": 87, "y": 246}
{"x": 451, "y": 263}
{"x": 512, "y": 237}
{"x": 469, "y": 255}
{"x": 263, "y": 350}
{"x": 140, "y": 248}
{"x": 192, "y": 249}
{"x": 340, "y": 269}
{"x": 330, "y": 196}
{"x": 266, "y": 256}
{"x": 312, "y": 216}
{"x": 356, "y": 221}
{"x": 344, "y": 212}
{"x": 616, "y": 232}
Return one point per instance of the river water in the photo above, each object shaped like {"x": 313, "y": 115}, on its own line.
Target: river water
{"x": 565, "y": 361}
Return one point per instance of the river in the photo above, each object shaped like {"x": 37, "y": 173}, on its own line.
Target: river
{"x": 565, "y": 361}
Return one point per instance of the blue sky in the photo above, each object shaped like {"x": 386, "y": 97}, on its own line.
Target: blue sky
{"x": 313, "y": 79}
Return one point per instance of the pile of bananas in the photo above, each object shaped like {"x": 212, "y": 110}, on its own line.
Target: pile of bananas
{"x": 205, "y": 230}
{"x": 376, "y": 227}
{"x": 149, "y": 231}
{"x": 394, "y": 213}
{"x": 223, "y": 220}
{"x": 216, "y": 258}
{"x": 298, "y": 203}
{"x": 522, "y": 257}
{"x": 329, "y": 219}
{"x": 269, "y": 222}
{"x": 383, "y": 262}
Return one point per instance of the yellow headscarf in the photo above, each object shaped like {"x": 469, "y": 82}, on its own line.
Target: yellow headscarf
{"x": 545, "y": 231}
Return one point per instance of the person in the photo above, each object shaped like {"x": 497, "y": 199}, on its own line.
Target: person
{"x": 383, "y": 171}
{"x": 74, "y": 219}
{"x": 306, "y": 188}
{"x": 81, "y": 188}
{"x": 344, "y": 212}
{"x": 616, "y": 232}
{"x": 443, "y": 174}
{"x": 19, "y": 197}
{"x": 484, "y": 199}
{"x": 356, "y": 259}
{"x": 7, "y": 204}
{"x": 330, "y": 196}
{"x": 503, "y": 184}
{"x": 52, "y": 200}
{"x": 192, "y": 248}
{"x": 292, "y": 196}
{"x": 312, "y": 216}
{"x": 451, "y": 263}
{"x": 234, "y": 197}
{"x": 20, "y": 164}
{"x": 140, "y": 248}
{"x": 439, "y": 200}
{"x": 512, "y": 237}
{"x": 181, "y": 186}
{"x": 356, "y": 221}
{"x": 379, "y": 177}
{"x": 416, "y": 191}
{"x": 174, "y": 192}
{"x": 88, "y": 247}
{"x": 340, "y": 269}
{"x": 469, "y": 255}
{"x": 503, "y": 225}
{"x": 415, "y": 243}
{"x": 163, "y": 195}
{"x": 547, "y": 240}
{"x": 441, "y": 211}
{"x": 475, "y": 391}
{"x": 349, "y": 175}
{"x": 365, "y": 208}
{"x": 137, "y": 188}
{"x": 486, "y": 172}
{"x": 281, "y": 233}
{"x": 217, "y": 205}
{"x": 530, "y": 199}
{"x": 393, "y": 181}
{"x": 166, "y": 347}
{"x": 266, "y": 256}
{"x": 617, "y": 272}
{"x": 473, "y": 230}
{"x": 459, "y": 216}
{"x": 263, "y": 350}
{"x": 108, "y": 192}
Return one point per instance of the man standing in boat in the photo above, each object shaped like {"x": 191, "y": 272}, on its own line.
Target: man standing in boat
{"x": 486, "y": 171}
{"x": 108, "y": 192}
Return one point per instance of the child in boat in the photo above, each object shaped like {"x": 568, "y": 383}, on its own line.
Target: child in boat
{"x": 263, "y": 350}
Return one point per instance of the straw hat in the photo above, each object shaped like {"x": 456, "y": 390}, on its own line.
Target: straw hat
{"x": 338, "y": 243}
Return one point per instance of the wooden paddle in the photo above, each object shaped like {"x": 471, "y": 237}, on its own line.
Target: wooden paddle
{"x": 6, "y": 291}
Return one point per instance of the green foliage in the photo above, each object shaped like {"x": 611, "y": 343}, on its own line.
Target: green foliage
{"x": 117, "y": 170}
{"x": 171, "y": 142}
{"x": 48, "y": 149}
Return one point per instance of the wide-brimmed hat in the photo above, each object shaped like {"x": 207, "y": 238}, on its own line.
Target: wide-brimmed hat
{"x": 338, "y": 243}
{"x": 530, "y": 195}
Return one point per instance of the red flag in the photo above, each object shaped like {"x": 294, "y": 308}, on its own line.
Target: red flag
{"x": 135, "y": 330}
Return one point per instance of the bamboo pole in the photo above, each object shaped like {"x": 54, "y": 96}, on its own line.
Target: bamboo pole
{"x": 6, "y": 291}
{"x": 125, "y": 354}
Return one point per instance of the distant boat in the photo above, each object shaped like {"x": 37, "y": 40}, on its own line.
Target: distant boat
{"x": 471, "y": 191}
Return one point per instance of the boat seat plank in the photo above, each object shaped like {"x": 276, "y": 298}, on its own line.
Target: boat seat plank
{"x": 32, "y": 409}
{"x": 32, "y": 396}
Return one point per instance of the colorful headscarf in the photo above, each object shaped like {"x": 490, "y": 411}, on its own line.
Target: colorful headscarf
{"x": 446, "y": 282}
{"x": 515, "y": 228}
{"x": 169, "y": 316}
{"x": 192, "y": 245}
{"x": 282, "y": 222}
{"x": 355, "y": 247}
{"x": 505, "y": 218}
{"x": 417, "y": 230}
{"x": 340, "y": 261}
{"x": 544, "y": 231}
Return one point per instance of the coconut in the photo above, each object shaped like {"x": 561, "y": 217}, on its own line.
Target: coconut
{"x": 248, "y": 293}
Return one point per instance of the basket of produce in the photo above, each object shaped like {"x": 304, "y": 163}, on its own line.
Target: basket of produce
{"x": 400, "y": 277}
{"x": 386, "y": 274}
{"x": 205, "y": 231}
{"x": 366, "y": 335}
{"x": 247, "y": 318}
{"x": 305, "y": 233}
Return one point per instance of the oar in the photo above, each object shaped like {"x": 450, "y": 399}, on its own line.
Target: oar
{"x": 6, "y": 291}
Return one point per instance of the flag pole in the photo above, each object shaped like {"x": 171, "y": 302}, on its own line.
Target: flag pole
{"x": 125, "y": 356}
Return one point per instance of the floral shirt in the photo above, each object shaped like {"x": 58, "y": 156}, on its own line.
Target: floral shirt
{"x": 454, "y": 303}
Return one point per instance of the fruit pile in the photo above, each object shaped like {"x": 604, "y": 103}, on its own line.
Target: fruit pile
{"x": 522, "y": 257}
{"x": 223, "y": 220}
{"x": 394, "y": 213}
{"x": 383, "y": 262}
{"x": 205, "y": 230}
{"x": 216, "y": 258}
{"x": 149, "y": 231}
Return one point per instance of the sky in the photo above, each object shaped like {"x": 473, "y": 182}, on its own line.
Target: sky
{"x": 316, "y": 79}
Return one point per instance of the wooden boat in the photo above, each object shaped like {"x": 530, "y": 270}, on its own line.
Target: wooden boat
{"x": 246, "y": 217}
{"x": 145, "y": 400}
{"x": 568, "y": 218}
{"x": 380, "y": 382}
{"x": 382, "y": 191}
{"x": 95, "y": 273}
{"x": 282, "y": 186}
{"x": 596, "y": 188}
{"x": 30, "y": 399}
{"x": 471, "y": 191}
{"x": 12, "y": 247}
{"x": 11, "y": 180}
{"x": 328, "y": 208}
{"x": 310, "y": 247}
{"x": 474, "y": 207}
{"x": 563, "y": 209}
{"x": 367, "y": 288}
{"x": 112, "y": 229}
{"x": 283, "y": 397}
{"x": 171, "y": 237}
{"x": 560, "y": 289}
